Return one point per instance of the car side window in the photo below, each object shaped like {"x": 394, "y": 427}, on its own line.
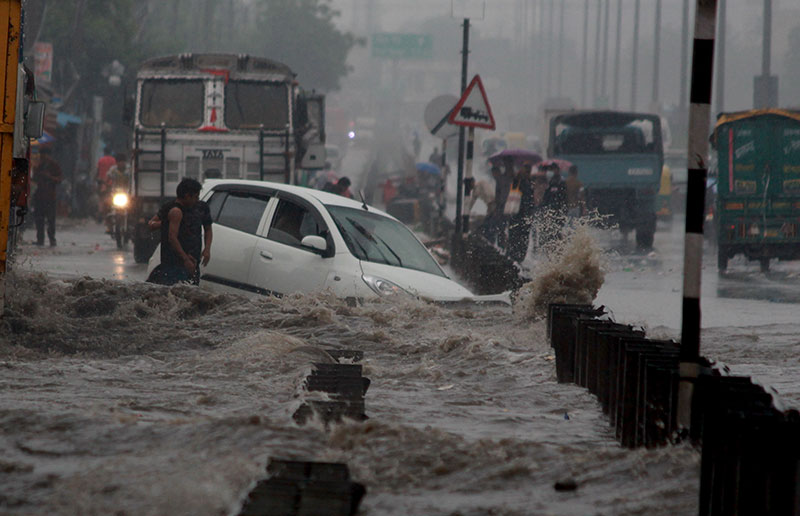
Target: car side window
{"x": 215, "y": 203}
{"x": 242, "y": 211}
{"x": 292, "y": 222}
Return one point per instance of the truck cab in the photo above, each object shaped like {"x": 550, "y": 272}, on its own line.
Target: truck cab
{"x": 620, "y": 158}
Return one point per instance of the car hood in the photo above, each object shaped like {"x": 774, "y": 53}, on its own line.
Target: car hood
{"x": 422, "y": 284}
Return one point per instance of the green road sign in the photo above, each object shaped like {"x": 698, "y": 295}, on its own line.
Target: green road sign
{"x": 402, "y": 46}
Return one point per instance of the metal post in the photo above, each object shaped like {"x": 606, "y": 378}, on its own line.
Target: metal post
{"x": 261, "y": 152}
{"x": 585, "y": 51}
{"x": 617, "y": 54}
{"x": 603, "y": 84}
{"x": 550, "y": 50}
{"x": 720, "y": 93}
{"x": 684, "y": 55}
{"x": 540, "y": 77}
{"x": 699, "y": 120}
{"x": 595, "y": 90}
{"x": 560, "y": 63}
{"x": 461, "y": 136}
{"x": 468, "y": 180}
{"x": 656, "y": 53}
{"x": 635, "y": 49}
{"x": 766, "y": 48}
{"x": 163, "y": 161}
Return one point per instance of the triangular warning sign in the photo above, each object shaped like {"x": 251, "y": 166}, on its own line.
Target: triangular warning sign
{"x": 473, "y": 108}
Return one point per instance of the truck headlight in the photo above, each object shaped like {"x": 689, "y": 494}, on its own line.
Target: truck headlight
{"x": 383, "y": 287}
{"x": 120, "y": 200}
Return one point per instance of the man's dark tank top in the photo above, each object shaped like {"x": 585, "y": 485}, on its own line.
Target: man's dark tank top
{"x": 168, "y": 255}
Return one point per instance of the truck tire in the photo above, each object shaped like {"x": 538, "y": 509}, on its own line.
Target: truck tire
{"x": 722, "y": 259}
{"x": 141, "y": 250}
{"x": 645, "y": 233}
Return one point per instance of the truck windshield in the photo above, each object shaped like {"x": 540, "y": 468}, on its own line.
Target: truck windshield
{"x": 249, "y": 105}
{"x": 610, "y": 134}
{"x": 376, "y": 238}
{"x": 174, "y": 103}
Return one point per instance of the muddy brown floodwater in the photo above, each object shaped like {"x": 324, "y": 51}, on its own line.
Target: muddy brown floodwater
{"x": 136, "y": 399}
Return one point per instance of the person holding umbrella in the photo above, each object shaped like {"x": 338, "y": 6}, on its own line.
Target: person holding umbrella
{"x": 519, "y": 227}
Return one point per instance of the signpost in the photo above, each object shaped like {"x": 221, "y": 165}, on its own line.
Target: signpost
{"x": 472, "y": 111}
{"x": 436, "y": 114}
{"x": 402, "y": 46}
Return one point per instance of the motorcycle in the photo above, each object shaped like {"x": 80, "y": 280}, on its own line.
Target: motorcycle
{"x": 117, "y": 218}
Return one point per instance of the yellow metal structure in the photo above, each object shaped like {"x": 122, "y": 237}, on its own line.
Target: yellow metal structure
{"x": 10, "y": 21}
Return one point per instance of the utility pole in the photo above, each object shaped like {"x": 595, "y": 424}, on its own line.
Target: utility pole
{"x": 684, "y": 75}
{"x": 604, "y": 82}
{"x": 461, "y": 141}
{"x": 585, "y": 52}
{"x": 560, "y": 64}
{"x": 617, "y": 50}
{"x": 634, "y": 70}
{"x": 721, "y": 30}
{"x": 540, "y": 79}
{"x": 656, "y": 55}
{"x": 699, "y": 121}
{"x": 765, "y": 90}
{"x": 596, "y": 90}
{"x": 550, "y": 48}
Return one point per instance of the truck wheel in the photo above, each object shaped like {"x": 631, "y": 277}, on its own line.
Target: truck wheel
{"x": 645, "y": 230}
{"x": 722, "y": 259}
{"x": 764, "y": 263}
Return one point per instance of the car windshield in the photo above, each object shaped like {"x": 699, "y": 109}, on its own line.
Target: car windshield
{"x": 249, "y": 105}
{"x": 377, "y": 238}
{"x": 174, "y": 103}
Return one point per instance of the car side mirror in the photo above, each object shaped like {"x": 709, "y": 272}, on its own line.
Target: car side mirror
{"x": 34, "y": 119}
{"x": 314, "y": 242}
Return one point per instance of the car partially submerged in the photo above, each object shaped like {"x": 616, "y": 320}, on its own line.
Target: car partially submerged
{"x": 277, "y": 239}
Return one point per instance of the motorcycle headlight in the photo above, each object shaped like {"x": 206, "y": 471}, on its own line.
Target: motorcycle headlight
{"x": 383, "y": 287}
{"x": 120, "y": 200}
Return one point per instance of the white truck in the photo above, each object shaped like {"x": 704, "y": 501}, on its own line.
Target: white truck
{"x": 217, "y": 116}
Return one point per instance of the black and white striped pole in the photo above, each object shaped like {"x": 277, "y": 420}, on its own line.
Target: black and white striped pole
{"x": 699, "y": 120}
{"x": 469, "y": 182}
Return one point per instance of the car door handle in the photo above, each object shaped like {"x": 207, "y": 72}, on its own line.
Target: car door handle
{"x": 266, "y": 254}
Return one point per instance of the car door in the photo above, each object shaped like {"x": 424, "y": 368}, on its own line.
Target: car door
{"x": 280, "y": 264}
{"x": 238, "y": 215}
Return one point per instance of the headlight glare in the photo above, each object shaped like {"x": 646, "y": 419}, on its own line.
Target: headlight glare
{"x": 120, "y": 200}
{"x": 383, "y": 287}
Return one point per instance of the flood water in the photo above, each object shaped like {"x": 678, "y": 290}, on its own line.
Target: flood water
{"x": 121, "y": 397}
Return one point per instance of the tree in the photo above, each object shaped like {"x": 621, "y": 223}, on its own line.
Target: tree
{"x": 301, "y": 33}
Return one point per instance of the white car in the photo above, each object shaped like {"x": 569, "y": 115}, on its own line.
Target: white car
{"x": 272, "y": 238}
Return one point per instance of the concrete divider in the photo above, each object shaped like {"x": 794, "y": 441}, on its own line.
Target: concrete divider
{"x": 750, "y": 458}
{"x": 304, "y": 488}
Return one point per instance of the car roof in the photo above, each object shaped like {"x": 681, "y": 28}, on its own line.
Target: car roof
{"x": 326, "y": 198}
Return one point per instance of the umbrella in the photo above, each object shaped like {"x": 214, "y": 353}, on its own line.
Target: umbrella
{"x": 430, "y": 168}
{"x": 519, "y": 156}
{"x": 562, "y": 164}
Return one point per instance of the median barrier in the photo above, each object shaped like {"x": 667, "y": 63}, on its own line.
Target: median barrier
{"x": 750, "y": 453}
{"x": 306, "y": 488}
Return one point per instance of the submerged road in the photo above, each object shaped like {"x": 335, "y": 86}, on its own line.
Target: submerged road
{"x": 125, "y": 396}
